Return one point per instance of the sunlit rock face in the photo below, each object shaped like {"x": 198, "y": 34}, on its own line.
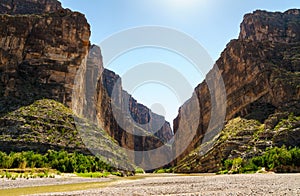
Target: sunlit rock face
{"x": 260, "y": 71}
{"x": 40, "y": 55}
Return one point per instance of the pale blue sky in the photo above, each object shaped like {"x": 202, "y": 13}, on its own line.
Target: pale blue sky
{"x": 213, "y": 23}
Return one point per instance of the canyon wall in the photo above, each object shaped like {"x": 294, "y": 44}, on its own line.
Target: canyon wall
{"x": 40, "y": 56}
{"x": 260, "y": 71}
{"x": 135, "y": 127}
{"x": 12, "y": 7}
{"x": 45, "y": 53}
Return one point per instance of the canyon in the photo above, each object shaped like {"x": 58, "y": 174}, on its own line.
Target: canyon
{"x": 48, "y": 63}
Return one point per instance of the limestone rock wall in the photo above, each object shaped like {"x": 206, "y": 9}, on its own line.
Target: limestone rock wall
{"x": 260, "y": 72}
{"x": 40, "y": 55}
{"x": 45, "y": 52}
{"x": 13, "y": 7}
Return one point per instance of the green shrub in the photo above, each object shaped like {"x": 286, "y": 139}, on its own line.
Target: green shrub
{"x": 295, "y": 153}
{"x": 160, "y": 171}
{"x": 8, "y": 175}
{"x": 139, "y": 171}
{"x": 223, "y": 172}
{"x": 5, "y": 161}
{"x": 237, "y": 165}
{"x": 228, "y": 164}
{"x": 117, "y": 173}
{"x": 275, "y": 159}
{"x": 90, "y": 175}
{"x": 258, "y": 161}
{"x": 61, "y": 161}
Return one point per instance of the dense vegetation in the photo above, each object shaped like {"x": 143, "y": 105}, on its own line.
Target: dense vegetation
{"x": 61, "y": 161}
{"x": 274, "y": 159}
{"x": 48, "y": 124}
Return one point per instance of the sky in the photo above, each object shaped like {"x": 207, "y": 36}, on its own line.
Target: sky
{"x": 212, "y": 23}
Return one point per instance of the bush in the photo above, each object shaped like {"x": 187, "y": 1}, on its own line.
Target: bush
{"x": 274, "y": 159}
{"x": 139, "y": 171}
{"x": 159, "y": 171}
{"x": 228, "y": 164}
{"x": 5, "y": 161}
{"x": 237, "y": 164}
{"x": 258, "y": 161}
{"x": 61, "y": 161}
{"x": 90, "y": 175}
{"x": 165, "y": 170}
{"x": 117, "y": 173}
{"x": 295, "y": 153}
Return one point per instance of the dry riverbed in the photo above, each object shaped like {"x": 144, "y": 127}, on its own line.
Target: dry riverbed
{"x": 246, "y": 184}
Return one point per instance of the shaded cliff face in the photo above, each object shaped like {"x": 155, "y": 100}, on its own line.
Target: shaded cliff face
{"x": 13, "y": 7}
{"x": 40, "y": 55}
{"x": 140, "y": 114}
{"x": 130, "y": 123}
{"x": 124, "y": 119}
{"x": 261, "y": 75}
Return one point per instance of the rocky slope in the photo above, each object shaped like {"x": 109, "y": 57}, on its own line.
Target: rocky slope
{"x": 262, "y": 81}
{"x": 47, "y": 124}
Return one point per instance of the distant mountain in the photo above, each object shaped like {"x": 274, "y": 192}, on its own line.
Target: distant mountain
{"x": 261, "y": 73}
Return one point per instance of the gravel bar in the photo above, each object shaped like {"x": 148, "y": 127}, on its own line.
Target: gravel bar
{"x": 245, "y": 184}
{"x": 35, "y": 182}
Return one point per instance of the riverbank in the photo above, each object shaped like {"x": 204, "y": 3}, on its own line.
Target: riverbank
{"x": 244, "y": 184}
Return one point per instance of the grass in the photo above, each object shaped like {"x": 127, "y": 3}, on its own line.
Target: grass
{"x": 54, "y": 188}
{"x": 93, "y": 175}
{"x": 15, "y": 174}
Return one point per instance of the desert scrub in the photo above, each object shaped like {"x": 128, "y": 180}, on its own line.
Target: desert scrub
{"x": 237, "y": 125}
{"x": 139, "y": 171}
{"x": 164, "y": 170}
{"x": 274, "y": 159}
{"x": 288, "y": 123}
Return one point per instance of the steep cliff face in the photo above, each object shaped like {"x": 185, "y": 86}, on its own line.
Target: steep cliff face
{"x": 261, "y": 76}
{"x": 140, "y": 114}
{"x": 283, "y": 27}
{"x": 130, "y": 123}
{"x": 40, "y": 55}
{"x": 12, "y": 7}
{"x": 45, "y": 53}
